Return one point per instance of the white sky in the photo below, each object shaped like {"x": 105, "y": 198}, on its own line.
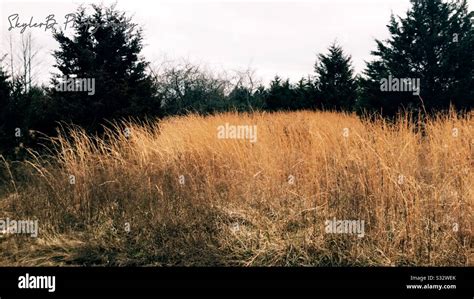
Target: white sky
{"x": 270, "y": 36}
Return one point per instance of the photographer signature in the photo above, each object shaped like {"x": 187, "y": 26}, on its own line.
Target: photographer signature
{"x": 50, "y": 23}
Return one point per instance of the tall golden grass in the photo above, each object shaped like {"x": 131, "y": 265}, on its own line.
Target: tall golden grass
{"x": 250, "y": 204}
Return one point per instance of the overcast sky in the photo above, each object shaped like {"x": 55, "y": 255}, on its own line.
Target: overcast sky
{"x": 270, "y": 36}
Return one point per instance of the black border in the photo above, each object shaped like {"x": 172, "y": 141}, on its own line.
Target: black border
{"x": 271, "y": 282}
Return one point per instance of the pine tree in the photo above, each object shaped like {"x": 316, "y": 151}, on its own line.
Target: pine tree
{"x": 5, "y": 89}
{"x": 335, "y": 80}
{"x": 433, "y": 43}
{"x": 6, "y": 130}
{"x": 280, "y": 95}
{"x": 306, "y": 94}
{"x": 105, "y": 47}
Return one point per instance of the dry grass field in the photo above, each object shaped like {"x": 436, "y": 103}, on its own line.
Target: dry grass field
{"x": 173, "y": 193}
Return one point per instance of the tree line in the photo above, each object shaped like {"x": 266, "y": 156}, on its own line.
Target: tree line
{"x": 427, "y": 64}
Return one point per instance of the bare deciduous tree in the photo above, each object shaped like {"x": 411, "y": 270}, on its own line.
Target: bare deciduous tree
{"x": 25, "y": 58}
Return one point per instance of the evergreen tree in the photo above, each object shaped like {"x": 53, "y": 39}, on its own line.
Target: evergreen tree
{"x": 306, "y": 94}
{"x": 280, "y": 95}
{"x": 5, "y": 90}
{"x": 433, "y": 43}
{"x": 105, "y": 47}
{"x": 5, "y": 101}
{"x": 241, "y": 98}
{"x": 336, "y": 84}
